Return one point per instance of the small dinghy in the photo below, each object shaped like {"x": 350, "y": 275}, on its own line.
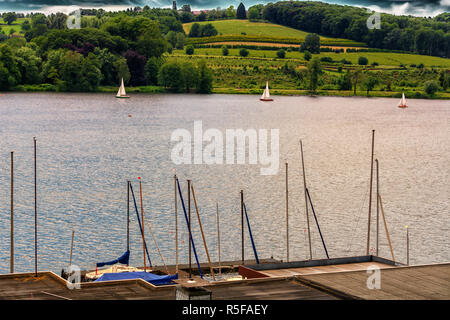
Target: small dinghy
{"x": 402, "y": 103}
{"x": 266, "y": 94}
{"x": 121, "y": 93}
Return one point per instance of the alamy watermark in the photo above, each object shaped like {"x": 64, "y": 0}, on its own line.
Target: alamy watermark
{"x": 74, "y": 279}
{"x": 374, "y": 21}
{"x": 190, "y": 148}
{"x": 374, "y": 280}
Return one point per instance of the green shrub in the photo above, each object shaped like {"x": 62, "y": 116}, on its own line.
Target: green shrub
{"x": 243, "y": 52}
{"x": 430, "y": 87}
{"x": 363, "y": 61}
{"x": 281, "y": 54}
{"x": 190, "y": 50}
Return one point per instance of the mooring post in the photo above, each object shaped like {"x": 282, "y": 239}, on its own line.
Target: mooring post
{"x": 189, "y": 227}
{"x": 35, "y": 210}
{"x": 370, "y": 194}
{"x": 287, "y": 215}
{"x": 242, "y": 226}
{"x": 11, "y": 264}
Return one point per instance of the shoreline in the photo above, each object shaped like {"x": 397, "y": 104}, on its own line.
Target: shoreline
{"x": 252, "y": 91}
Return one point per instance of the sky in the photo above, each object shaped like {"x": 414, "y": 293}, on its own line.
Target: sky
{"x": 399, "y": 7}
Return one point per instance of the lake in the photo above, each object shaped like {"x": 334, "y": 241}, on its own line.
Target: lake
{"x": 89, "y": 146}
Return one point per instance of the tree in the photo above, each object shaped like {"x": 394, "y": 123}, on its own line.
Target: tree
{"x": 355, "y": 78}
{"x": 190, "y": 50}
{"x": 225, "y": 50}
{"x": 430, "y": 87}
{"x": 208, "y": 30}
{"x": 307, "y": 55}
{"x": 231, "y": 12}
{"x": 9, "y": 17}
{"x": 180, "y": 40}
{"x": 10, "y": 74}
{"x": 122, "y": 70}
{"x": 345, "y": 82}
{"x": 281, "y": 53}
{"x": 171, "y": 76}
{"x": 151, "y": 70}
{"x": 314, "y": 71}
{"x": 243, "y": 52}
{"x": 171, "y": 37}
{"x": 363, "y": 61}
{"x": 311, "y": 43}
{"x": 240, "y": 12}
{"x": 369, "y": 83}
{"x": 254, "y": 12}
{"x": 190, "y": 75}
{"x": 205, "y": 78}
{"x": 136, "y": 64}
{"x": 195, "y": 30}
{"x": 29, "y": 64}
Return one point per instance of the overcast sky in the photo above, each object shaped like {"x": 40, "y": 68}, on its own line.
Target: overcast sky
{"x": 400, "y": 7}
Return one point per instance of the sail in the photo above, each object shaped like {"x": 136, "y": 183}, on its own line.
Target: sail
{"x": 121, "y": 91}
{"x": 402, "y": 100}
{"x": 266, "y": 93}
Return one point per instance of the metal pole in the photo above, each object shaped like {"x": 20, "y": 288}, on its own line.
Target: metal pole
{"x": 142, "y": 218}
{"x": 378, "y": 207}
{"x": 11, "y": 266}
{"x": 287, "y": 215}
{"x": 370, "y": 194}
{"x": 176, "y": 223}
{"x": 306, "y": 201}
{"x": 407, "y": 246}
{"x": 203, "y": 235}
{"x": 71, "y": 248}
{"x": 218, "y": 236}
{"x": 128, "y": 215}
{"x": 242, "y": 226}
{"x": 189, "y": 227}
{"x": 35, "y": 210}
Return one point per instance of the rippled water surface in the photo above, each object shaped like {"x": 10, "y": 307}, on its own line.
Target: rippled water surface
{"x": 88, "y": 147}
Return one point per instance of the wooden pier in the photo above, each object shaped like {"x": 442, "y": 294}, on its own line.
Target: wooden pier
{"x": 344, "y": 278}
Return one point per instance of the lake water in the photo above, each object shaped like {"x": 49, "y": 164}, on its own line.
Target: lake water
{"x": 88, "y": 147}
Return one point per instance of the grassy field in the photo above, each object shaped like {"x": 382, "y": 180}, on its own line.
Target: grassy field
{"x": 240, "y": 30}
{"x": 16, "y": 25}
{"x": 382, "y": 58}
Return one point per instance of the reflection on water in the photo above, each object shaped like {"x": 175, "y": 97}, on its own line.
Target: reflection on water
{"x": 88, "y": 147}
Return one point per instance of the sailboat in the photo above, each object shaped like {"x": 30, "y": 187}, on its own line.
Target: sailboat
{"x": 121, "y": 93}
{"x": 266, "y": 94}
{"x": 402, "y": 103}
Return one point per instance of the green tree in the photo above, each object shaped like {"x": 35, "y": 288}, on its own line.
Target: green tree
{"x": 370, "y": 83}
{"x": 307, "y": 55}
{"x": 444, "y": 79}
{"x": 311, "y": 43}
{"x": 151, "y": 70}
{"x": 430, "y": 87}
{"x": 225, "y": 50}
{"x": 171, "y": 37}
{"x": 231, "y": 12}
{"x": 122, "y": 70}
{"x": 314, "y": 72}
{"x": 11, "y": 74}
{"x": 254, "y": 12}
{"x": 355, "y": 79}
{"x": 181, "y": 40}
{"x": 345, "y": 82}
{"x": 9, "y": 17}
{"x": 190, "y": 75}
{"x": 243, "y": 52}
{"x": 281, "y": 53}
{"x": 240, "y": 12}
{"x": 363, "y": 61}
{"x": 171, "y": 76}
{"x": 205, "y": 81}
{"x": 208, "y": 30}
{"x": 29, "y": 64}
{"x": 190, "y": 50}
{"x": 195, "y": 30}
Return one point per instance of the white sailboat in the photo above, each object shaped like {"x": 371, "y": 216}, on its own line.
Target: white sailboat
{"x": 402, "y": 103}
{"x": 121, "y": 93}
{"x": 266, "y": 94}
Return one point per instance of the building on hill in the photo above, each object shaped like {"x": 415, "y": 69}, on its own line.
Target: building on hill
{"x": 197, "y": 12}
{"x": 174, "y": 5}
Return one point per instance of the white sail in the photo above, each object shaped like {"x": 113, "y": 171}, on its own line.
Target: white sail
{"x": 121, "y": 91}
{"x": 266, "y": 93}
{"x": 402, "y": 100}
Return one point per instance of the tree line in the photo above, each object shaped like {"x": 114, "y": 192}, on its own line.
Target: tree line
{"x": 118, "y": 45}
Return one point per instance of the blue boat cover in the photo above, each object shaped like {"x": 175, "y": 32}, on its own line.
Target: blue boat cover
{"x": 122, "y": 259}
{"x": 147, "y": 276}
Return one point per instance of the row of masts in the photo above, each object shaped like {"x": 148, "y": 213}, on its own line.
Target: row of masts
{"x": 191, "y": 191}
